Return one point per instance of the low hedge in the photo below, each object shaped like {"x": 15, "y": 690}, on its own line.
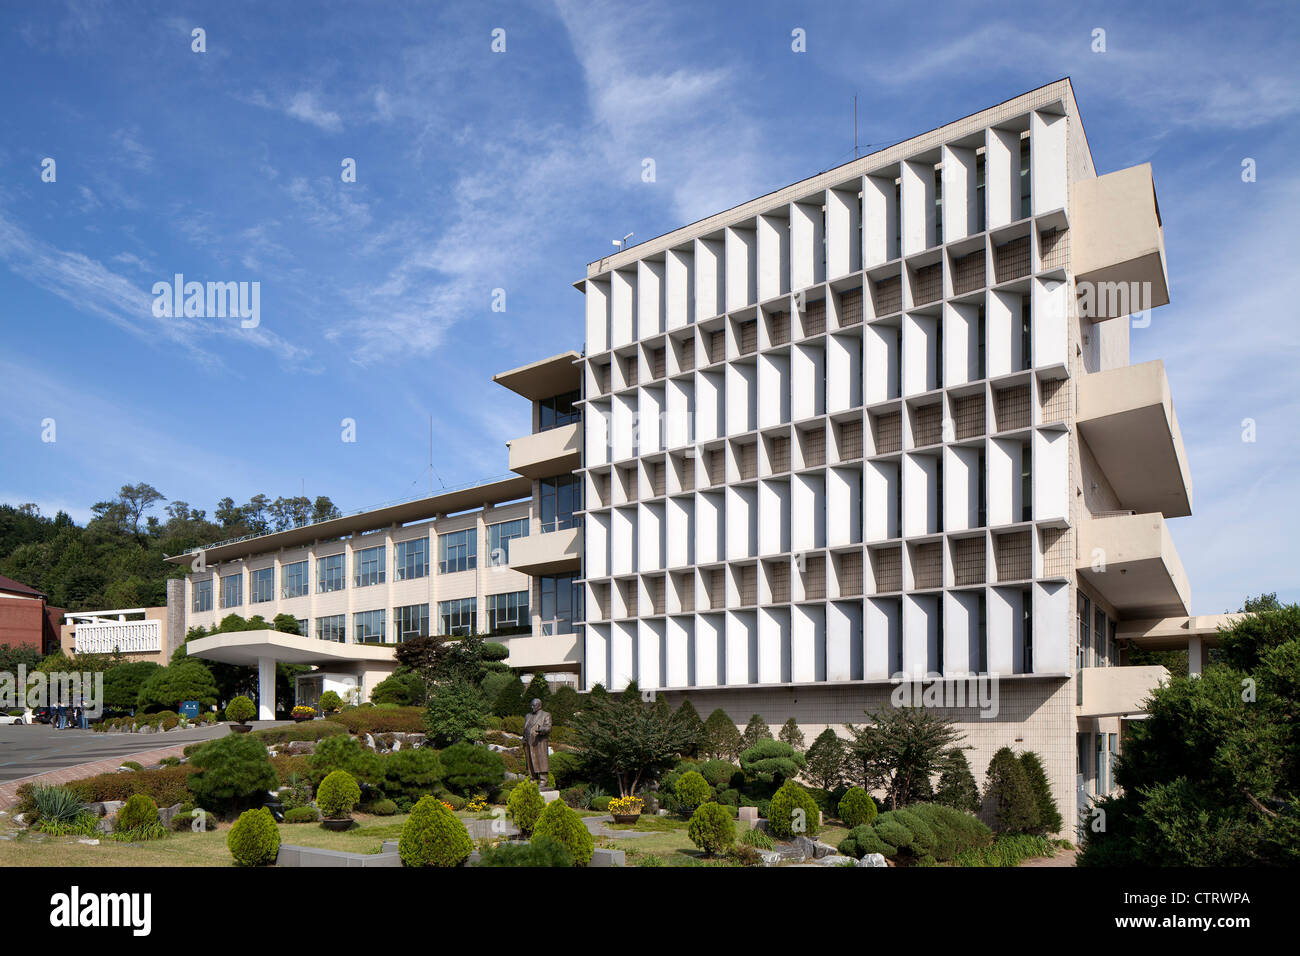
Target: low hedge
{"x": 920, "y": 833}
{"x": 310, "y": 730}
{"x": 380, "y": 720}
{"x": 301, "y": 815}
{"x": 166, "y": 786}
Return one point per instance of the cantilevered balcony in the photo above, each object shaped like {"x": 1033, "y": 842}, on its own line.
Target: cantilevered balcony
{"x": 1117, "y": 691}
{"x": 554, "y": 552}
{"x": 544, "y": 652}
{"x": 1131, "y": 561}
{"x": 1118, "y": 244}
{"x": 556, "y": 451}
{"x": 1127, "y": 418}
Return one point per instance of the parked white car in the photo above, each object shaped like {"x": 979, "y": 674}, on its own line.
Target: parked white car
{"x": 6, "y": 718}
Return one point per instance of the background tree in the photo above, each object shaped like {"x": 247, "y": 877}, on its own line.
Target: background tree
{"x": 755, "y": 731}
{"x": 956, "y": 783}
{"x": 825, "y": 760}
{"x": 900, "y": 751}
{"x": 721, "y": 738}
{"x": 510, "y": 700}
{"x": 692, "y": 727}
{"x": 628, "y": 738}
{"x": 1049, "y": 816}
{"x": 457, "y": 712}
{"x": 167, "y": 687}
{"x": 772, "y": 761}
{"x": 1008, "y": 795}
{"x": 791, "y": 734}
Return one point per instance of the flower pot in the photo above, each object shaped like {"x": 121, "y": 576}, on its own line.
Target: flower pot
{"x": 299, "y": 720}
{"x": 626, "y": 817}
{"x": 240, "y": 728}
{"x": 339, "y": 825}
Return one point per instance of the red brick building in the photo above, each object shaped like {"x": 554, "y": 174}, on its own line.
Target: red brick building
{"x": 26, "y": 619}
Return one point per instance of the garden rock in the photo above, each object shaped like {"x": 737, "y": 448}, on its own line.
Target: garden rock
{"x": 813, "y": 849}
{"x": 146, "y": 729}
{"x": 106, "y": 808}
{"x": 771, "y": 857}
{"x": 165, "y": 814}
{"x": 88, "y": 842}
{"x": 302, "y": 747}
{"x": 835, "y": 860}
{"x": 873, "y": 859}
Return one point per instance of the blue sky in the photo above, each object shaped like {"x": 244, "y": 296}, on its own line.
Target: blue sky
{"x": 479, "y": 170}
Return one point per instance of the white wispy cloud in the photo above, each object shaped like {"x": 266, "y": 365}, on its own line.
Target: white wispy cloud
{"x": 302, "y": 105}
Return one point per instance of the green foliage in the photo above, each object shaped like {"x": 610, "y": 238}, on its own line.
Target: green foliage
{"x": 168, "y": 686}
{"x": 771, "y": 761}
{"x": 509, "y": 701}
{"x": 380, "y": 720}
{"x": 956, "y": 783}
{"x": 1049, "y": 817}
{"x": 1008, "y": 793}
{"x": 403, "y": 687}
{"x": 757, "y": 838}
{"x": 254, "y": 840}
{"x": 345, "y": 753}
{"x": 560, "y": 823}
{"x": 241, "y": 710}
{"x": 330, "y": 701}
{"x": 1006, "y": 850}
{"x": 922, "y": 834}
{"x": 721, "y": 738}
{"x": 433, "y": 836}
{"x": 337, "y": 794}
{"x": 718, "y": 773}
{"x": 381, "y": 808}
{"x": 301, "y": 815}
{"x": 233, "y": 772}
{"x": 864, "y": 839}
{"x": 692, "y": 790}
{"x": 563, "y": 705}
{"x": 525, "y": 805}
{"x": 468, "y": 769}
{"x": 122, "y": 683}
{"x": 566, "y": 769}
{"x": 793, "y": 812}
{"x": 58, "y": 805}
{"x": 457, "y": 712}
{"x": 791, "y": 734}
{"x": 628, "y": 738}
{"x": 313, "y": 730}
{"x": 899, "y": 751}
{"x": 856, "y": 807}
{"x": 137, "y": 813}
{"x": 541, "y": 851}
{"x": 538, "y": 689}
{"x": 411, "y": 773}
{"x": 825, "y": 760}
{"x": 692, "y": 727}
{"x": 755, "y": 731}
{"x": 712, "y": 829}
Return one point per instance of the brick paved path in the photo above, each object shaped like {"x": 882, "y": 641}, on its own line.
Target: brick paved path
{"x": 9, "y": 791}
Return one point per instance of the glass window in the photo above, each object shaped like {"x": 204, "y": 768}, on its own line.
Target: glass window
{"x": 369, "y": 566}
{"x": 1083, "y": 654}
{"x": 457, "y": 617}
{"x": 232, "y": 590}
{"x": 332, "y": 628}
{"x": 1101, "y": 768}
{"x": 1027, "y": 650}
{"x": 558, "y": 411}
{"x": 561, "y": 603}
{"x": 1099, "y": 638}
{"x": 368, "y": 627}
{"x": 457, "y": 551}
{"x": 411, "y": 621}
{"x": 979, "y": 192}
{"x": 303, "y": 629}
{"x": 1024, "y": 178}
{"x": 294, "y": 583}
{"x": 261, "y": 586}
{"x": 561, "y": 497}
{"x": 330, "y": 574}
{"x": 508, "y": 613}
{"x": 412, "y": 559}
{"x": 499, "y": 538}
{"x": 203, "y": 595}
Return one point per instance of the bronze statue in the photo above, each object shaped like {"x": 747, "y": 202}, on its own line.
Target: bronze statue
{"x": 537, "y": 734}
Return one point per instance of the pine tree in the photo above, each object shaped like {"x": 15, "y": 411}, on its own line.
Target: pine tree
{"x": 692, "y": 727}
{"x": 510, "y": 700}
{"x": 721, "y": 738}
{"x": 537, "y": 688}
{"x": 791, "y": 734}
{"x": 825, "y": 766}
{"x": 755, "y": 731}
{"x": 1049, "y": 817}
{"x": 956, "y": 784}
{"x": 1008, "y": 793}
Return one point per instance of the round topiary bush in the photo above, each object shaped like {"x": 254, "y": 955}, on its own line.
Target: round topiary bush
{"x": 712, "y": 829}
{"x": 330, "y": 702}
{"x": 792, "y": 812}
{"x": 138, "y": 812}
{"x": 301, "y": 815}
{"x": 856, "y": 807}
{"x": 382, "y": 808}
{"x": 433, "y": 836}
{"x": 525, "y": 805}
{"x": 240, "y": 710}
{"x": 692, "y": 790}
{"x": 254, "y": 840}
{"x": 718, "y": 773}
{"x": 863, "y": 840}
{"x": 468, "y": 769}
{"x": 559, "y": 822}
{"x": 337, "y": 795}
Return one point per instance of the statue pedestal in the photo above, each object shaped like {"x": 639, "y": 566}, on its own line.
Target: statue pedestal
{"x": 549, "y": 795}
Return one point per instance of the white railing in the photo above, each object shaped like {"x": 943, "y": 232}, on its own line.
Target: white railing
{"x": 126, "y": 637}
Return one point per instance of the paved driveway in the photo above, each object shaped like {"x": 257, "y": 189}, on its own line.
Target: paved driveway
{"x": 37, "y": 748}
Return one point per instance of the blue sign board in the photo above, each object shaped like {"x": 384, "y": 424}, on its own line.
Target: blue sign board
{"x": 189, "y": 709}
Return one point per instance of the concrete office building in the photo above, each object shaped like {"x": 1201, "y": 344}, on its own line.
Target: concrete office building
{"x": 882, "y": 423}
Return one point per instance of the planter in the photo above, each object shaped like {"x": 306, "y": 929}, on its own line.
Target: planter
{"x": 626, "y": 817}
{"x": 338, "y": 826}
{"x": 302, "y": 720}
{"x": 240, "y": 728}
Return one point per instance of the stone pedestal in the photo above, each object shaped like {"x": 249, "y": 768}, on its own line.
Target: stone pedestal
{"x": 749, "y": 815}
{"x": 549, "y": 795}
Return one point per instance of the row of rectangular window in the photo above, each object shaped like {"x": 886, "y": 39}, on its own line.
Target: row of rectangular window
{"x": 506, "y": 613}
{"x": 457, "y": 551}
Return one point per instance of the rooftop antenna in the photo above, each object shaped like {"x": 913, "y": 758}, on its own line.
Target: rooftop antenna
{"x": 622, "y": 243}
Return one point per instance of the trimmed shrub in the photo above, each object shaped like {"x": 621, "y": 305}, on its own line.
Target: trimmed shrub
{"x": 856, "y": 807}
{"x": 468, "y": 769}
{"x": 301, "y": 815}
{"x": 559, "y": 822}
{"x": 381, "y": 720}
{"x": 311, "y": 730}
{"x": 232, "y": 772}
{"x": 184, "y": 822}
{"x": 345, "y": 753}
{"x": 692, "y": 790}
{"x": 566, "y": 769}
{"x": 513, "y": 724}
{"x": 411, "y": 773}
{"x": 381, "y": 808}
{"x": 525, "y": 805}
{"x": 718, "y": 773}
{"x": 330, "y": 701}
{"x": 137, "y": 813}
{"x": 541, "y": 851}
{"x": 132, "y": 765}
{"x": 1049, "y": 817}
{"x": 956, "y": 784}
{"x": 863, "y": 840}
{"x": 240, "y": 710}
{"x": 601, "y": 803}
{"x": 792, "y": 811}
{"x": 1007, "y": 789}
{"x": 772, "y": 761}
{"x": 254, "y": 840}
{"x": 433, "y": 836}
{"x": 712, "y": 829}
{"x": 337, "y": 795}
{"x": 729, "y": 798}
